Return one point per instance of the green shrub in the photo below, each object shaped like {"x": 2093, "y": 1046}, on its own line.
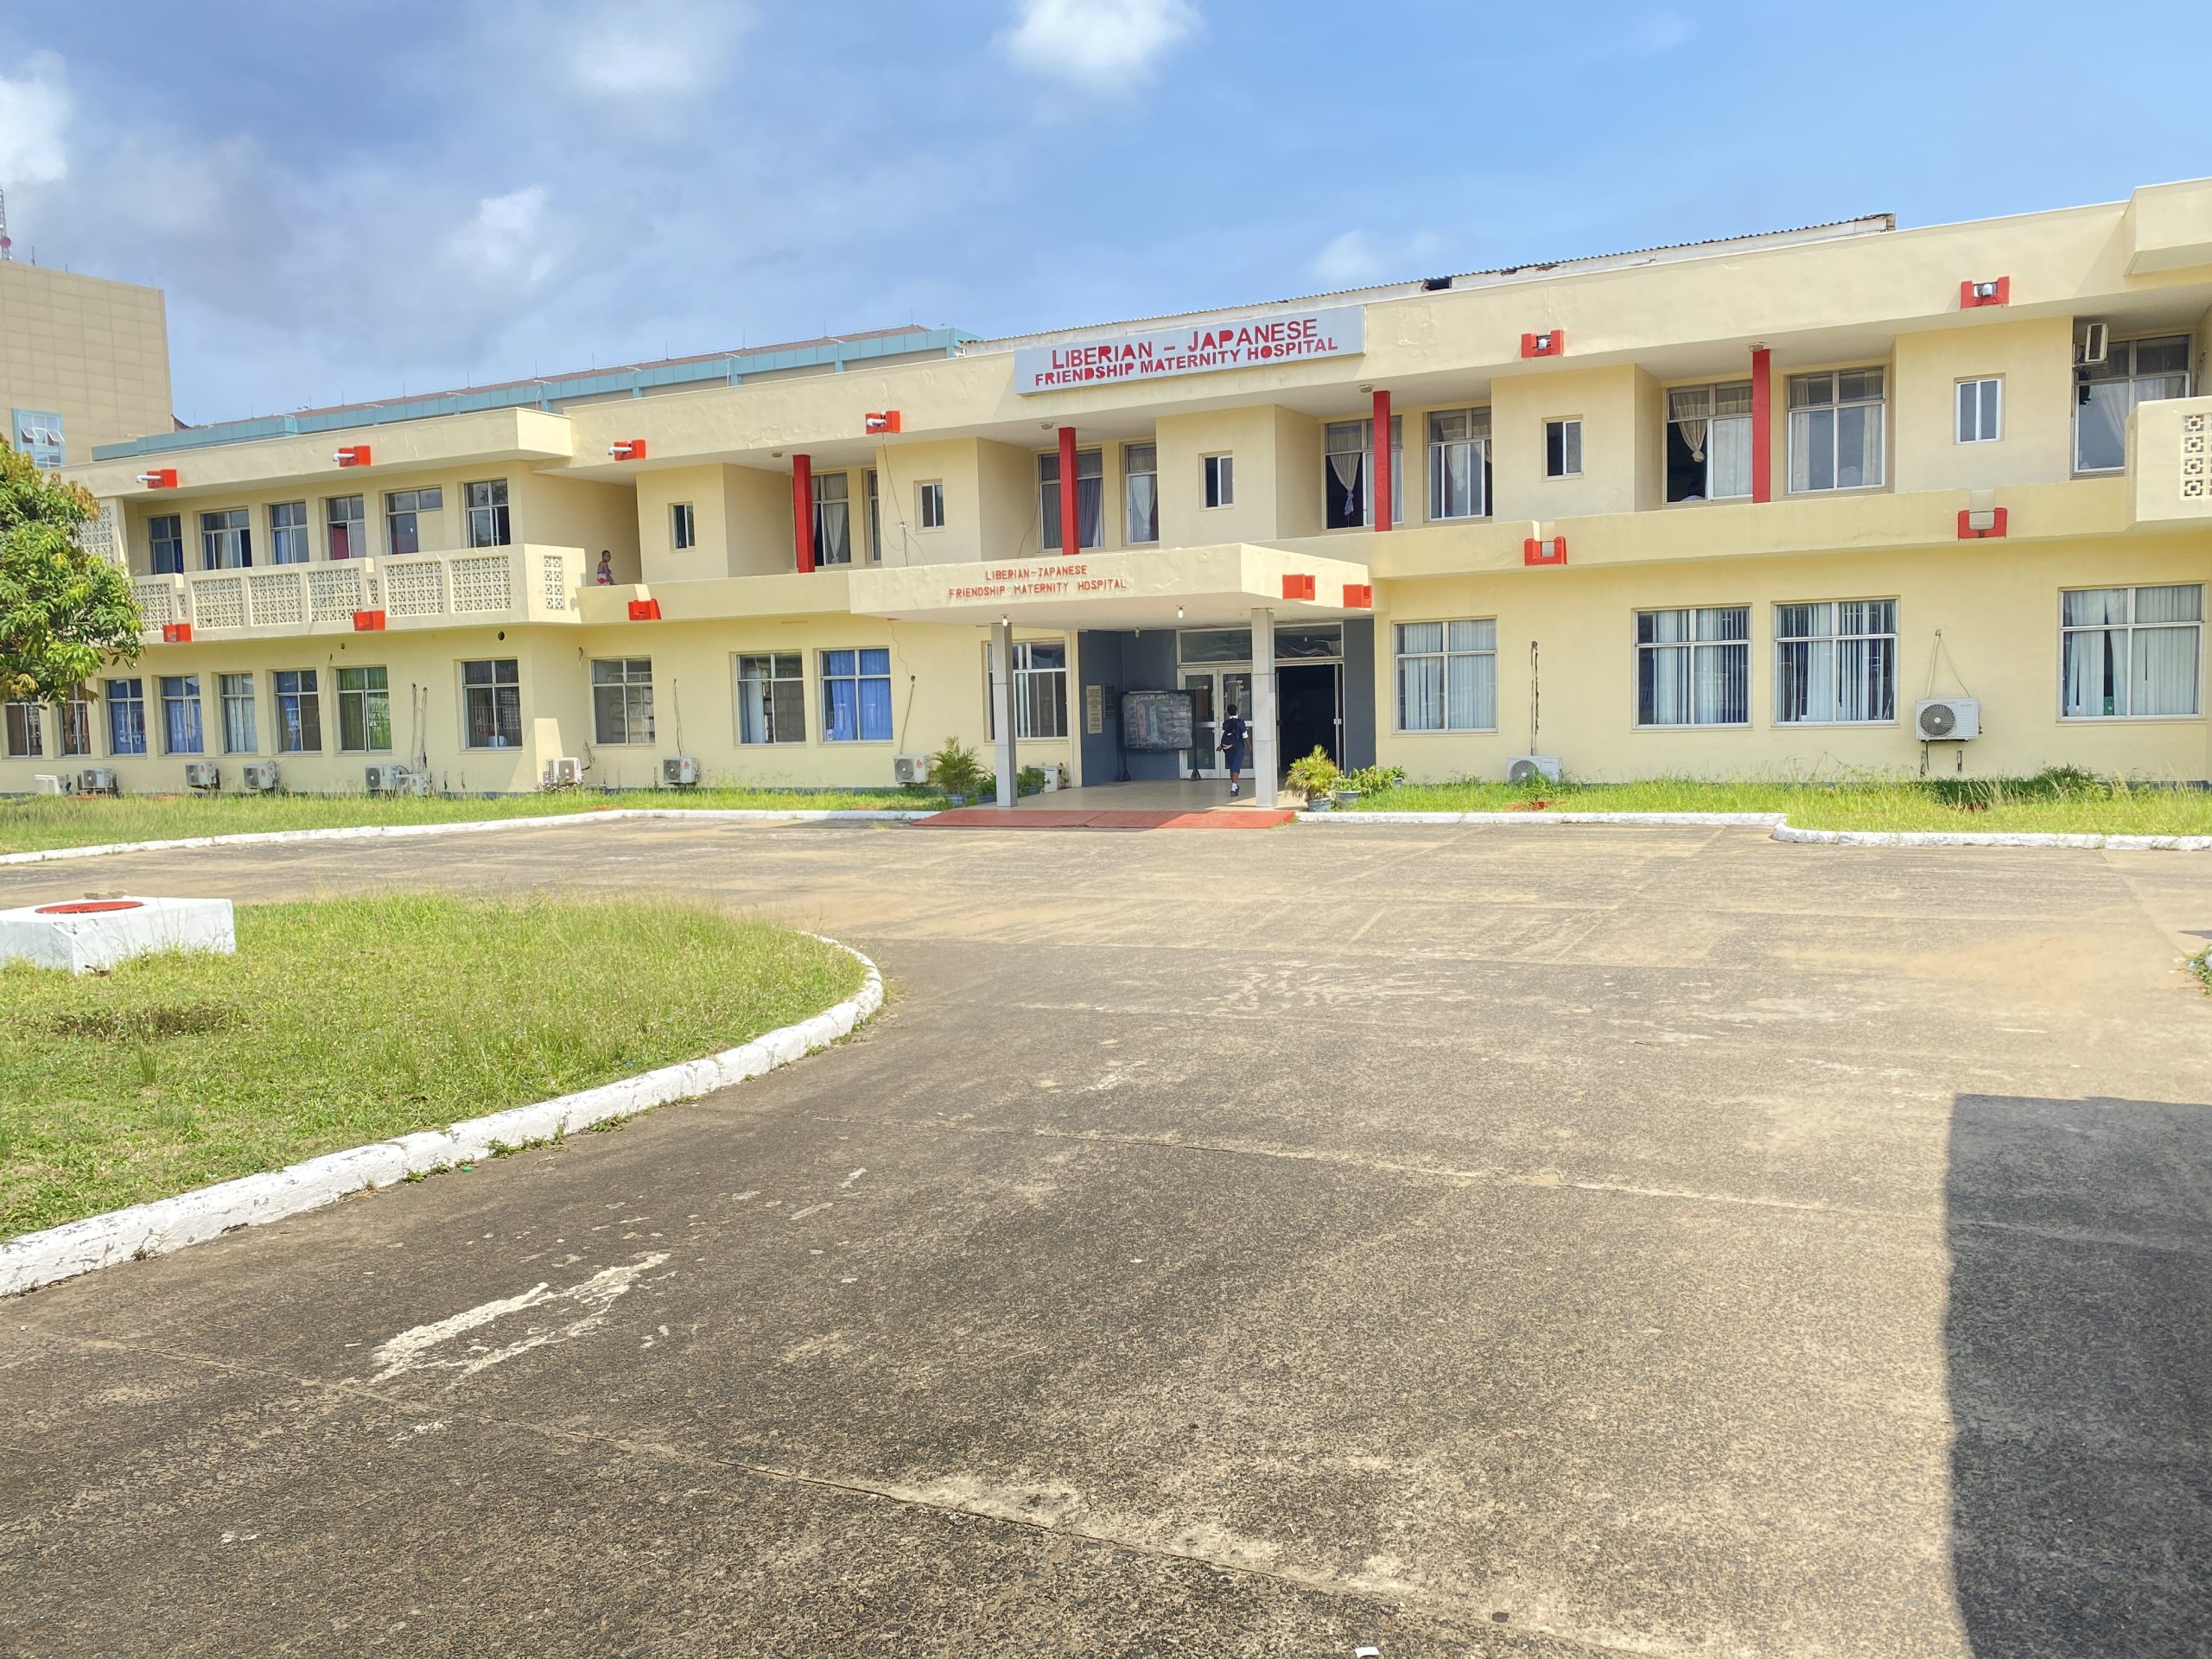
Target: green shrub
{"x": 1315, "y": 775}
{"x": 955, "y": 770}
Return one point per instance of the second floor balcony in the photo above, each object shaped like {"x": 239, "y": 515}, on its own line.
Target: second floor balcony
{"x": 480, "y": 587}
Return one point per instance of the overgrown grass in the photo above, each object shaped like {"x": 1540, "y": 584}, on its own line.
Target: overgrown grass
{"x": 342, "y": 1022}
{"x": 2061, "y": 799}
{"x": 35, "y": 822}
{"x": 2200, "y": 965}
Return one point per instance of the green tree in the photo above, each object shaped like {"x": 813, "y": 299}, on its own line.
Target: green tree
{"x": 63, "y": 611}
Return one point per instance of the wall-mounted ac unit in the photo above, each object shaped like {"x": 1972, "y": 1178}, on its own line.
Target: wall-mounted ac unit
{"x": 679, "y": 772}
{"x": 97, "y": 781}
{"x": 259, "y": 776}
{"x": 563, "y": 772}
{"x": 203, "y": 774}
{"x": 389, "y": 780}
{"x": 2093, "y": 343}
{"x": 1527, "y": 768}
{"x": 1947, "y": 720}
{"x": 910, "y": 769}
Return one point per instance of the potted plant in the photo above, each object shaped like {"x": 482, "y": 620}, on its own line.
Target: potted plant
{"x": 1315, "y": 776}
{"x": 1366, "y": 780}
{"x": 1030, "y": 780}
{"x": 955, "y": 770}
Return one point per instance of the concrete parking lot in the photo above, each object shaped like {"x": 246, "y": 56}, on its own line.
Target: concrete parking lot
{"x": 1468, "y": 1241}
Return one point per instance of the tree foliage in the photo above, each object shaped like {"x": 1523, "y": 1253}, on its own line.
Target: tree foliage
{"x": 63, "y": 611}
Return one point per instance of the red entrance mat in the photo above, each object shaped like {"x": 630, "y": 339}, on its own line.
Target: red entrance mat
{"x": 1040, "y": 817}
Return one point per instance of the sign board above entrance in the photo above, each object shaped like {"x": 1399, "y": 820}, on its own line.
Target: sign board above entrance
{"x": 1197, "y": 348}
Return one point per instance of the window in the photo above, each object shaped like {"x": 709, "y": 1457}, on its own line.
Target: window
{"x": 1709, "y": 443}
{"x": 1447, "y": 675}
{"x": 1835, "y": 430}
{"x": 682, "y": 526}
{"x": 1459, "y": 463}
{"x": 74, "y": 727}
{"x": 26, "y": 731}
{"x": 299, "y": 712}
{"x": 1981, "y": 411}
{"x": 2130, "y": 652}
{"x": 288, "y": 532}
{"x": 874, "y": 522}
{"x": 126, "y": 717}
{"x": 1693, "y": 668}
{"x": 857, "y": 697}
{"x": 235, "y": 693}
{"x": 491, "y": 697}
{"x": 771, "y": 698}
{"x": 622, "y": 700}
{"x": 346, "y": 533}
{"x": 364, "y": 711}
{"x": 181, "y": 733}
{"x": 1141, "y": 493}
{"x": 2134, "y": 371}
{"x": 165, "y": 540}
{"x": 1562, "y": 448}
{"x": 833, "y": 526}
{"x": 403, "y": 511}
{"x": 226, "y": 540}
{"x": 1348, "y": 449}
{"x": 932, "y": 506}
{"x": 1089, "y": 498}
{"x": 488, "y": 512}
{"x": 1040, "y": 690}
{"x": 1835, "y": 663}
{"x": 1221, "y": 481}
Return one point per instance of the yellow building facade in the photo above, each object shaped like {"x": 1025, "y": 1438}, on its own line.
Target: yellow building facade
{"x": 1838, "y": 499}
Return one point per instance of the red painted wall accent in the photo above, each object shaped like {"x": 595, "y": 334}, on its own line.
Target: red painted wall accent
{"x": 176, "y": 633}
{"x": 1968, "y": 299}
{"x": 1761, "y": 425}
{"x": 1380, "y": 466}
{"x": 1996, "y": 530}
{"x": 1549, "y": 550}
{"x": 803, "y": 510}
{"x": 1071, "y": 530}
{"x": 368, "y": 622}
{"x": 1360, "y": 596}
{"x": 644, "y": 610}
{"x": 1298, "y": 586}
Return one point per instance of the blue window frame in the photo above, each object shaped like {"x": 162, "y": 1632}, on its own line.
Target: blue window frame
{"x": 126, "y": 717}
{"x": 857, "y": 697}
{"x": 181, "y": 733}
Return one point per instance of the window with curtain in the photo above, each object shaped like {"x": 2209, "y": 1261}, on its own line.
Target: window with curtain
{"x": 1459, "y": 463}
{"x": 299, "y": 711}
{"x": 26, "y": 731}
{"x": 2130, "y": 652}
{"x": 857, "y": 697}
{"x": 2134, "y": 371}
{"x": 1693, "y": 667}
{"x": 622, "y": 700}
{"x": 1709, "y": 443}
{"x": 73, "y": 724}
{"x": 1835, "y": 430}
{"x": 344, "y": 529}
{"x": 226, "y": 540}
{"x": 1447, "y": 675}
{"x": 181, "y": 733}
{"x": 1348, "y": 449}
{"x": 126, "y": 717}
{"x": 1835, "y": 662}
{"x": 833, "y": 519}
{"x": 364, "y": 710}
{"x": 1089, "y": 498}
{"x": 1040, "y": 690}
{"x": 165, "y": 542}
{"x": 491, "y": 696}
{"x": 235, "y": 693}
{"x": 488, "y": 512}
{"x": 1141, "y": 493}
{"x": 288, "y": 532}
{"x": 771, "y": 698}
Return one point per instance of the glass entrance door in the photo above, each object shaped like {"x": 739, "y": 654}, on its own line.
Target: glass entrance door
{"x": 1214, "y": 692}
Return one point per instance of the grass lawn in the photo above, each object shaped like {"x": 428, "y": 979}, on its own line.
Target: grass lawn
{"x": 35, "y": 822}
{"x": 2067, "y": 801}
{"x": 342, "y": 1022}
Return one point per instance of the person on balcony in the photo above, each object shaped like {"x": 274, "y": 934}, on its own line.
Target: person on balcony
{"x": 605, "y": 577}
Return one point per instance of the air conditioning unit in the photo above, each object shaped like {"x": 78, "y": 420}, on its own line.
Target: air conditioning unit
{"x": 389, "y": 780}
{"x": 679, "y": 772}
{"x": 910, "y": 768}
{"x": 47, "y": 783}
{"x": 2093, "y": 346}
{"x": 1947, "y": 720}
{"x": 203, "y": 774}
{"x": 563, "y": 772}
{"x": 258, "y": 775}
{"x": 97, "y": 781}
{"x": 1528, "y": 768}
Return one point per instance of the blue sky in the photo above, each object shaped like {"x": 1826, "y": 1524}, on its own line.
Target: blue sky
{"x": 353, "y": 200}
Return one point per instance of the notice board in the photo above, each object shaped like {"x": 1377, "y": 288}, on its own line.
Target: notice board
{"x": 1155, "y": 721}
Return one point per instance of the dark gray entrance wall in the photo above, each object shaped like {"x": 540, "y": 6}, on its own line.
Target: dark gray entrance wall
{"x": 1121, "y": 662}
{"x": 1360, "y": 691}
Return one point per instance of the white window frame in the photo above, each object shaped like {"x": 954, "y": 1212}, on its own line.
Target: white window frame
{"x": 825, "y": 497}
{"x": 2130, "y": 628}
{"x": 174, "y": 542}
{"x": 1570, "y": 446}
{"x": 1697, "y": 642}
{"x": 226, "y": 539}
{"x": 1131, "y": 472}
{"x": 1048, "y": 496}
{"x": 431, "y": 498}
{"x": 2108, "y": 373}
{"x": 1040, "y": 694}
{"x": 1474, "y": 654}
{"x": 770, "y": 731}
{"x": 364, "y": 698}
{"x": 489, "y": 524}
{"x": 682, "y": 526}
{"x": 1976, "y": 418}
{"x": 929, "y": 503}
{"x": 290, "y": 531}
{"x": 187, "y": 700}
{"x": 72, "y": 726}
{"x": 1871, "y": 640}
{"x": 630, "y": 681}
{"x": 126, "y": 705}
{"x": 233, "y": 704}
{"x": 1800, "y": 435}
{"x": 26, "y": 724}
{"x": 356, "y": 527}
{"x": 1336, "y": 440}
{"x": 1220, "y": 480}
{"x": 874, "y": 521}
{"x": 857, "y": 678}
{"x": 1715, "y": 420}
{"x": 487, "y": 690}
{"x": 1475, "y": 442}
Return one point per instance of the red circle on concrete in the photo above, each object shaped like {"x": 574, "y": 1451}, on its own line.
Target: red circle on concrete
{"x": 88, "y": 907}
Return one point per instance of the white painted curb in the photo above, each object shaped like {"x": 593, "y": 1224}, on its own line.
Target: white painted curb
{"x": 362, "y": 831}
{"x": 42, "y": 1258}
{"x": 1783, "y": 830}
{"x": 1753, "y": 820}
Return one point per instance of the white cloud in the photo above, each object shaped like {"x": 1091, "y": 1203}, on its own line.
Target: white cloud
{"x": 507, "y": 238}
{"x": 649, "y": 48}
{"x": 35, "y": 110}
{"x": 1355, "y": 257}
{"x": 1095, "y": 41}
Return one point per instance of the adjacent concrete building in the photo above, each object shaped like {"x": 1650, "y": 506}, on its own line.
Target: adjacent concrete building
{"x": 83, "y": 361}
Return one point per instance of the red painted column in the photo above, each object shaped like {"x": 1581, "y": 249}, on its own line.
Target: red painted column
{"x": 803, "y": 510}
{"x": 1380, "y": 466}
{"x": 1762, "y": 426}
{"x": 1070, "y": 531}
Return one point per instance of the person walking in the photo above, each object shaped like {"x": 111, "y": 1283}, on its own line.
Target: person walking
{"x": 1235, "y": 745}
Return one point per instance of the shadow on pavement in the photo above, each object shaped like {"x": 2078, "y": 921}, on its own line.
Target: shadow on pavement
{"x": 2079, "y": 1337}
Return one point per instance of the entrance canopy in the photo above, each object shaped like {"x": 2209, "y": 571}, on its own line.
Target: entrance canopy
{"x": 1145, "y": 588}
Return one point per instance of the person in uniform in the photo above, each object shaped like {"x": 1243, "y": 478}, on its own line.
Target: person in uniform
{"x": 1235, "y": 745}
